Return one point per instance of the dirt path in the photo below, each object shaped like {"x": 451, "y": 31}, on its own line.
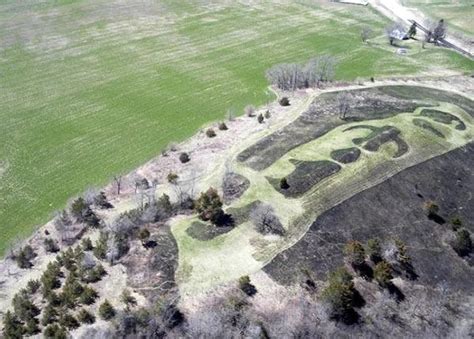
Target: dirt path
{"x": 396, "y": 11}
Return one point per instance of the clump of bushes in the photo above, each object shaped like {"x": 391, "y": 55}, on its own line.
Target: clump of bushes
{"x": 50, "y": 245}
{"x": 172, "y": 178}
{"x": 100, "y": 200}
{"x": 83, "y": 213}
{"x": 246, "y": 286}
{"x": 223, "y": 126}
{"x": 456, "y": 223}
{"x": 249, "y": 110}
{"x": 431, "y": 209}
{"x": 267, "y": 115}
{"x": 355, "y": 253}
{"x": 209, "y": 207}
{"x": 284, "y": 101}
{"x": 462, "y": 243}
{"x": 24, "y": 257}
{"x": 210, "y": 133}
{"x": 184, "y": 157}
{"x": 284, "y": 184}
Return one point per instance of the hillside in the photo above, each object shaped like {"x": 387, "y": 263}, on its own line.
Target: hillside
{"x": 92, "y": 89}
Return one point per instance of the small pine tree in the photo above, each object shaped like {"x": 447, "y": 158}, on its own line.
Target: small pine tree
{"x": 55, "y": 331}
{"x": 284, "y": 101}
{"x": 284, "y": 184}
{"x": 383, "y": 273}
{"x": 143, "y": 235}
{"x": 247, "y": 287}
{"x": 50, "y": 245}
{"x": 260, "y": 118}
{"x": 403, "y": 256}
{"x": 106, "y": 310}
{"x": 355, "y": 253}
{"x": 12, "y": 327}
{"x": 128, "y": 299}
{"x": 100, "y": 248}
{"x": 86, "y": 244}
{"x": 31, "y": 327}
{"x": 49, "y": 315}
{"x": 68, "y": 321}
{"x": 431, "y": 209}
{"x": 172, "y": 178}
{"x": 25, "y": 256}
{"x": 374, "y": 250}
{"x": 209, "y": 205}
{"x": 339, "y": 294}
{"x": 268, "y": 115}
{"x": 50, "y": 278}
{"x": 23, "y": 307}
{"x": 223, "y": 126}
{"x": 463, "y": 242}
{"x": 33, "y": 286}
{"x": 456, "y": 223}
{"x": 88, "y": 296}
{"x": 85, "y": 317}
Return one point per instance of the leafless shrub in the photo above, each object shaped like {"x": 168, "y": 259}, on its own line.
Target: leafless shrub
{"x": 293, "y": 76}
{"x": 365, "y": 33}
{"x": 395, "y": 32}
{"x": 249, "y": 110}
{"x": 343, "y": 101}
{"x": 265, "y": 220}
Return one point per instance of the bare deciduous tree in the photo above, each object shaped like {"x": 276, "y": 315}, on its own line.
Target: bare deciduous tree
{"x": 438, "y": 31}
{"x": 118, "y": 183}
{"x": 265, "y": 220}
{"x": 365, "y": 33}
{"x": 249, "y": 110}
{"x": 294, "y": 76}
{"x": 395, "y": 32}
{"x": 343, "y": 104}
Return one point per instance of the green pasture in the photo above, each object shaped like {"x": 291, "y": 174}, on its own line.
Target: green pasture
{"x": 90, "y": 88}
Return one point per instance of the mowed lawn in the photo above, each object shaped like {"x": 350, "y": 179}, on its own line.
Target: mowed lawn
{"x": 89, "y": 89}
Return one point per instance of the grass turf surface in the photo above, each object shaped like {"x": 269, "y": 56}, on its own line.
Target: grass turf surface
{"x": 92, "y": 88}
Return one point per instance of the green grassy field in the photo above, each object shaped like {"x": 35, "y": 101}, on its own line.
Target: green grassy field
{"x": 89, "y": 88}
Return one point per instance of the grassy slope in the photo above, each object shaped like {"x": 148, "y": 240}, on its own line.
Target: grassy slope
{"x": 92, "y": 88}
{"x": 203, "y": 264}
